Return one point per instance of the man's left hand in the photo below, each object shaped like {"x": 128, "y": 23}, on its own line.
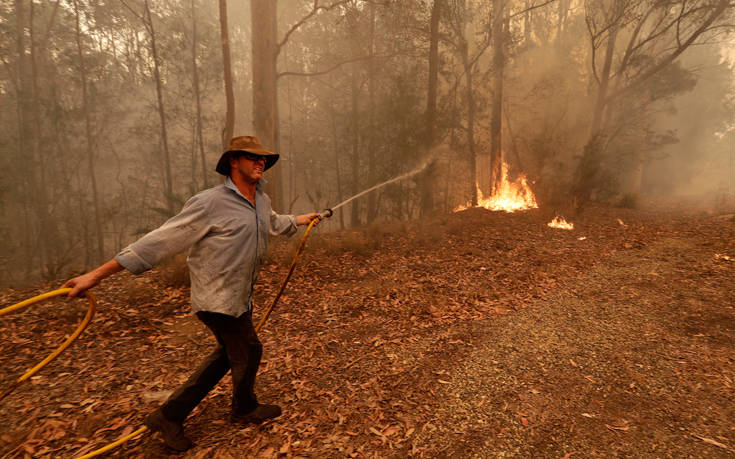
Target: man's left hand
{"x": 305, "y": 219}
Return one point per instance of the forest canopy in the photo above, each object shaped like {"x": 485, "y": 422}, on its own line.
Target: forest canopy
{"x": 113, "y": 113}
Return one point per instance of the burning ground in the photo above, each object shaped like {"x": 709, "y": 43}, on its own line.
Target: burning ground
{"x": 477, "y": 334}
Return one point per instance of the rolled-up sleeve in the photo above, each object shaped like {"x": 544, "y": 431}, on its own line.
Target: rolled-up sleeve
{"x": 176, "y": 235}
{"x": 282, "y": 225}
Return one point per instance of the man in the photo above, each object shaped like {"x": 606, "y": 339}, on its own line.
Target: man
{"x": 226, "y": 229}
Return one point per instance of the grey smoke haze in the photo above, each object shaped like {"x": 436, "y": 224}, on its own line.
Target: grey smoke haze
{"x": 702, "y": 161}
{"x": 105, "y": 147}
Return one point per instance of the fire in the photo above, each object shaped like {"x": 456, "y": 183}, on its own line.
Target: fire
{"x": 559, "y": 222}
{"x": 508, "y": 197}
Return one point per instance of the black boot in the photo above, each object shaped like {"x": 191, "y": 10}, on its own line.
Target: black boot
{"x": 260, "y": 414}
{"x": 172, "y": 432}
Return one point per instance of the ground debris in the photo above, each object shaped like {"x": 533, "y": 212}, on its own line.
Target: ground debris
{"x": 478, "y": 334}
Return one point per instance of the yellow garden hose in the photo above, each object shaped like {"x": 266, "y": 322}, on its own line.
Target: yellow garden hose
{"x": 257, "y": 328}
{"x": 87, "y": 318}
{"x": 288, "y": 276}
{"x": 114, "y": 444}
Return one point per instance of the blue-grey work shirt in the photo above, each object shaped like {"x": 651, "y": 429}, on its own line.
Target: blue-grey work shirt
{"x": 227, "y": 239}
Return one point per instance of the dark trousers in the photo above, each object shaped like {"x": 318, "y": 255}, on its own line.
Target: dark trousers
{"x": 238, "y": 349}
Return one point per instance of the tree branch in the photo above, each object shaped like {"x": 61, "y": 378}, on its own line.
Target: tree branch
{"x": 531, "y": 8}
{"x": 334, "y": 67}
{"x": 314, "y": 10}
{"x": 135, "y": 13}
{"x": 718, "y": 10}
{"x": 593, "y": 51}
{"x": 50, "y": 26}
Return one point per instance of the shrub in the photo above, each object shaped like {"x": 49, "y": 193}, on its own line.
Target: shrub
{"x": 629, "y": 201}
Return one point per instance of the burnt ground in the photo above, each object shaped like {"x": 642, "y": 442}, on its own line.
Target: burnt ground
{"x": 477, "y": 334}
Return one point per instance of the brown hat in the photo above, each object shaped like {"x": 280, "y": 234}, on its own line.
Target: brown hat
{"x": 246, "y": 144}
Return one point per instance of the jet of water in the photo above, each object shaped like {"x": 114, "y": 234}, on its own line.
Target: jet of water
{"x": 423, "y": 166}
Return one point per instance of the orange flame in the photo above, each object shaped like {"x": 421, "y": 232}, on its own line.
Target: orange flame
{"x": 508, "y": 197}
{"x": 559, "y": 222}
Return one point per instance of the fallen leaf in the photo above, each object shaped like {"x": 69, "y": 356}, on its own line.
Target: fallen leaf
{"x": 376, "y": 431}
{"x": 712, "y": 442}
{"x": 392, "y": 430}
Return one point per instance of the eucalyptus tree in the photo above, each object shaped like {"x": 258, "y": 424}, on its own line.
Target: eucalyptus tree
{"x": 89, "y": 138}
{"x": 461, "y": 38}
{"x": 632, "y": 43}
{"x": 427, "y": 180}
{"x": 227, "y": 67}
{"x": 79, "y": 76}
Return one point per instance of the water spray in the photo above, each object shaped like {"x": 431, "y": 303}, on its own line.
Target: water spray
{"x": 328, "y": 212}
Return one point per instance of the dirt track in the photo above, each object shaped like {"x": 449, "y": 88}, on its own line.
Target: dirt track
{"x": 480, "y": 334}
{"x": 633, "y": 358}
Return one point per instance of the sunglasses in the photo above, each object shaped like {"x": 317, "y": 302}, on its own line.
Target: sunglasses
{"x": 252, "y": 157}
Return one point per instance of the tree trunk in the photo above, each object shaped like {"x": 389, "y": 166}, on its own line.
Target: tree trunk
{"x": 496, "y": 123}
{"x": 427, "y": 179}
{"x": 470, "y": 119}
{"x": 197, "y": 93}
{"x": 586, "y": 174}
{"x": 563, "y": 13}
{"x": 90, "y": 151}
{"x": 335, "y": 147}
{"x": 23, "y": 157}
{"x": 354, "y": 118}
{"x": 41, "y": 180}
{"x": 433, "y": 71}
{"x": 527, "y": 40}
{"x": 168, "y": 178}
{"x": 604, "y": 83}
{"x": 372, "y": 207}
{"x": 229, "y": 94}
{"x": 265, "y": 97}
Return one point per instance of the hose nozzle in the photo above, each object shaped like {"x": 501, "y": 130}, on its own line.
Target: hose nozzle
{"x": 326, "y": 213}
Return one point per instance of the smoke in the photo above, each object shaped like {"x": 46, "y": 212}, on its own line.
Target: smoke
{"x": 701, "y": 161}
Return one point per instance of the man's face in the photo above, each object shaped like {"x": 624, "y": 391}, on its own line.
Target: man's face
{"x": 249, "y": 166}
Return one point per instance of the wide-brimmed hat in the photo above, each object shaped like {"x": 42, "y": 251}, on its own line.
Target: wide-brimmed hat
{"x": 247, "y": 144}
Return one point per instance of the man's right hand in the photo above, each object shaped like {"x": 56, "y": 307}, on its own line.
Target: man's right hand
{"x": 81, "y": 283}
{"x": 84, "y": 282}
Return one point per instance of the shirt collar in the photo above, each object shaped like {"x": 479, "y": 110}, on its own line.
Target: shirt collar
{"x": 231, "y": 185}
